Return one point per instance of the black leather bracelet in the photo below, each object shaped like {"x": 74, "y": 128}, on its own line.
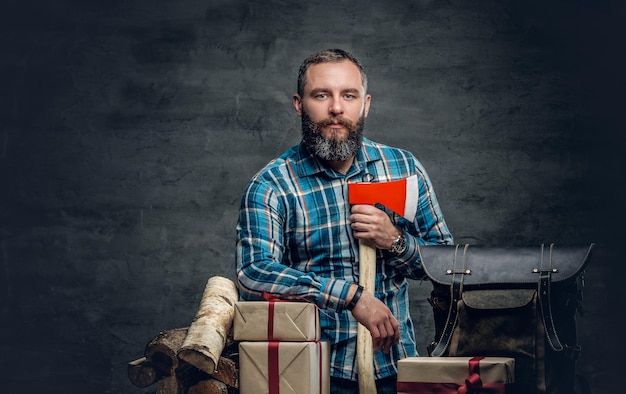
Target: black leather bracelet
{"x": 355, "y": 298}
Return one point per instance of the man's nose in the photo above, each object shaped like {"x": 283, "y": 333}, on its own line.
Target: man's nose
{"x": 336, "y": 107}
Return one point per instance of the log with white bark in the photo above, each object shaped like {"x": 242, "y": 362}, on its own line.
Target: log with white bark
{"x": 208, "y": 333}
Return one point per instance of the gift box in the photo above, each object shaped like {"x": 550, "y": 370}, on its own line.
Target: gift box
{"x": 276, "y": 321}
{"x": 426, "y": 375}
{"x": 284, "y": 367}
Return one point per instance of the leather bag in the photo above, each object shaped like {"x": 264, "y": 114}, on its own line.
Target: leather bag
{"x": 516, "y": 301}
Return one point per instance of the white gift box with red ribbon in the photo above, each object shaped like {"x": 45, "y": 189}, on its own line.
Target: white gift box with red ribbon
{"x": 276, "y": 320}
{"x": 452, "y": 375}
{"x": 284, "y": 367}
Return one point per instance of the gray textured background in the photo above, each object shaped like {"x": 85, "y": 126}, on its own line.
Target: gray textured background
{"x": 129, "y": 129}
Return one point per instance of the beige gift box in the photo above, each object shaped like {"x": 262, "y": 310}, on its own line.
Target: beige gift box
{"x": 425, "y": 375}
{"x": 284, "y": 367}
{"x": 276, "y": 321}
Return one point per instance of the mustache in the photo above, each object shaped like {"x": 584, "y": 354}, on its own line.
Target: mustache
{"x": 347, "y": 123}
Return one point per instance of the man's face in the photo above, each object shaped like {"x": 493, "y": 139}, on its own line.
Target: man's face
{"x": 333, "y": 110}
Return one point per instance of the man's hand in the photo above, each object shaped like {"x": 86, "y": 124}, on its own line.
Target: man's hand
{"x": 378, "y": 319}
{"x": 373, "y": 226}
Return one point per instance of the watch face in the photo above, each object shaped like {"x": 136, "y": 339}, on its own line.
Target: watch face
{"x": 399, "y": 245}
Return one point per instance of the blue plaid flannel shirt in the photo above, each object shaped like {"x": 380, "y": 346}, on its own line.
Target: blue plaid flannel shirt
{"x": 294, "y": 239}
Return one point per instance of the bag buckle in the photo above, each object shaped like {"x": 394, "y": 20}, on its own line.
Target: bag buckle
{"x": 545, "y": 270}
{"x": 463, "y": 272}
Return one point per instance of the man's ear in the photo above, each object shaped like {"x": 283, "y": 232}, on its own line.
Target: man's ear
{"x": 297, "y": 104}
{"x": 368, "y": 101}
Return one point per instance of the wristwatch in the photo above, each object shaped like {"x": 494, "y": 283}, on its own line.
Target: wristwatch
{"x": 398, "y": 246}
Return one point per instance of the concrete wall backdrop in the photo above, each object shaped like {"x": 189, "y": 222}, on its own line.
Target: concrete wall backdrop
{"x": 129, "y": 129}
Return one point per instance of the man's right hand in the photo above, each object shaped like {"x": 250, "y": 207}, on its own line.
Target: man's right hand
{"x": 378, "y": 319}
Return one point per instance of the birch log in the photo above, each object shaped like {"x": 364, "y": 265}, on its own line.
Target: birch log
{"x": 364, "y": 345}
{"x": 209, "y": 330}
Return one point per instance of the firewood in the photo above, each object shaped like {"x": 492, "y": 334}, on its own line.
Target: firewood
{"x": 162, "y": 350}
{"x": 169, "y": 385}
{"x": 227, "y": 372}
{"x": 210, "y": 386}
{"x": 142, "y": 373}
{"x": 209, "y": 330}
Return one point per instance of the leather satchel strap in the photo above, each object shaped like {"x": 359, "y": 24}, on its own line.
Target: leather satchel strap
{"x": 544, "y": 296}
{"x": 546, "y": 310}
{"x": 456, "y": 289}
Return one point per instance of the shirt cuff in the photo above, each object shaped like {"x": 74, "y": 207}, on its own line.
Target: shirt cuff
{"x": 334, "y": 294}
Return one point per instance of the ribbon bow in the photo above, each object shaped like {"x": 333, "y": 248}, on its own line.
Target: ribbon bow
{"x": 473, "y": 383}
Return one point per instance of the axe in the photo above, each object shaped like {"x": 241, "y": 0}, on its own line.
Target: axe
{"x": 401, "y": 197}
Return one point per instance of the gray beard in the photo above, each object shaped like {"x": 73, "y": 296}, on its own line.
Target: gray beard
{"x": 330, "y": 148}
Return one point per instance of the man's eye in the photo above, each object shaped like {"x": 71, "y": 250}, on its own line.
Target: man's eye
{"x": 321, "y": 96}
{"x": 350, "y": 96}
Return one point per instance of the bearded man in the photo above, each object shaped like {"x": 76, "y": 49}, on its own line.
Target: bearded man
{"x": 298, "y": 235}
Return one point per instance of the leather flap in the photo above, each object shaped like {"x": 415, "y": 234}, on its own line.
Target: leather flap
{"x": 498, "y": 298}
{"x": 508, "y": 266}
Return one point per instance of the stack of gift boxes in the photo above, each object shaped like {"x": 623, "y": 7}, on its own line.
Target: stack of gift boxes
{"x": 280, "y": 352}
{"x": 280, "y": 349}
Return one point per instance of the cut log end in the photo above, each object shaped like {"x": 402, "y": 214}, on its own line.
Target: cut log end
{"x": 169, "y": 385}
{"x": 227, "y": 372}
{"x": 162, "y": 350}
{"x": 197, "y": 358}
{"x": 142, "y": 373}
{"x": 210, "y": 386}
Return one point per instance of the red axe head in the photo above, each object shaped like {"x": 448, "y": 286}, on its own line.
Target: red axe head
{"x": 399, "y": 196}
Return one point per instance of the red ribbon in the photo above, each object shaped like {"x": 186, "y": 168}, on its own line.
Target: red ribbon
{"x": 285, "y": 297}
{"x": 270, "y": 311}
{"x": 272, "y": 350}
{"x": 273, "y": 376}
{"x": 270, "y": 321}
{"x": 320, "y": 370}
{"x": 451, "y": 388}
{"x": 473, "y": 384}
{"x": 273, "y": 370}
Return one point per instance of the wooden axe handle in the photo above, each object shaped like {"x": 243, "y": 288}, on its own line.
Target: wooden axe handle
{"x": 364, "y": 346}
{"x": 396, "y": 196}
